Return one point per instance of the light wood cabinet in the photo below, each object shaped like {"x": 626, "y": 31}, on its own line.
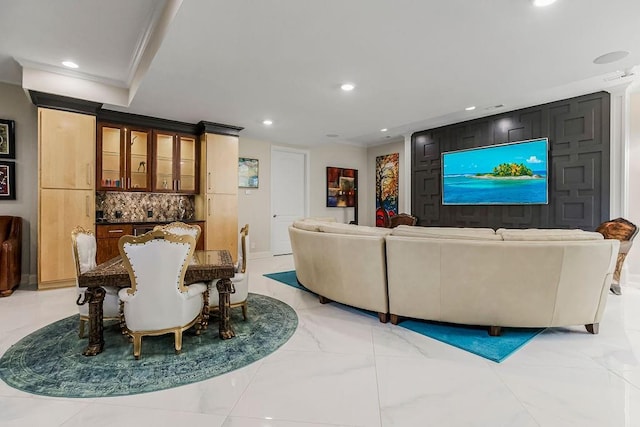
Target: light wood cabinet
{"x": 219, "y": 202}
{"x": 66, "y": 157}
{"x": 123, "y": 161}
{"x": 60, "y": 211}
{"x": 66, "y": 149}
{"x": 175, "y": 163}
{"x": 222, "y": 165}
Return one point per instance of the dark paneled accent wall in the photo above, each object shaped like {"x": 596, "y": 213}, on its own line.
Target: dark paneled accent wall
{"x": 578, "y": 132}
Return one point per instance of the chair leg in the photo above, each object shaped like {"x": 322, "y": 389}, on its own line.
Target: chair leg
{"x": 244, "y": 310}
{"x": 593, "y": 328}
{"x": 178, "y": 340}
{"x": 81, "y": 329}
{"x": 137, "y": 345}
{"x": 495, "y": 331}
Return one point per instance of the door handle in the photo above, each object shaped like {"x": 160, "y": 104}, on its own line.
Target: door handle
{"x": 274, "y": 215}
{"x": 86, "y": 205}
{"x": 209, "y": 181}
{"x": 209, "y": 207}
{"x": 88, "y": 173}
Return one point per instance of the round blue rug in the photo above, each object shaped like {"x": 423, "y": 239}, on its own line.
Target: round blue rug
{"x": 49, "y": 361}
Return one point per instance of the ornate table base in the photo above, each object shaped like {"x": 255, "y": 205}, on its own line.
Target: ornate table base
{"x": 225, "y": 289}
{"x": 95, "y": 297}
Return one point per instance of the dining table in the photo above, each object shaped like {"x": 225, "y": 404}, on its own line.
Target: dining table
{"x": 206, "y": 266}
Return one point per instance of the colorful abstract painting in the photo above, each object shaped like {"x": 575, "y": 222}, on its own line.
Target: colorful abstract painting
{"x": 341, "y": 187}
{"x": 386, "y": 188}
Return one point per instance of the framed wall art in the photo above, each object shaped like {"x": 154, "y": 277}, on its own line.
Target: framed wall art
{"x": 247, "y": 173}
{"x": 342, "y": 187}
{"x": 7, "y": 181}
{"x": 386, "y": 187}
{"x": 7, "y": 139}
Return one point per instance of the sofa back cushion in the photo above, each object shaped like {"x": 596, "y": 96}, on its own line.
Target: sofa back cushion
{"x": 547, "y": 235}
{"x": 352, "y": 229}
{"x": 458, "y": 233}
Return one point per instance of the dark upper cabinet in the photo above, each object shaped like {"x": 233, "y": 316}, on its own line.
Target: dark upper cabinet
{"x": 175, "y": 162}
{"x": 123, "y": 158}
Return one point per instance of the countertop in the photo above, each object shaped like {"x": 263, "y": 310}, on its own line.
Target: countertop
{"x": 150, "y": 221}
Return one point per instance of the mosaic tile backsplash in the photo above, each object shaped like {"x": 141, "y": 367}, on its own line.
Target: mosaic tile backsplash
{"x": 135, "y": 207}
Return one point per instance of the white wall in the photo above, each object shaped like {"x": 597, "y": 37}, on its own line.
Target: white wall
{"x": 340, "y": 156}
{"x": 254, "y": 206}
{"x": 15, "y": 105}
{"x": 254, "y": 203}
{"x": 632, "y": 263}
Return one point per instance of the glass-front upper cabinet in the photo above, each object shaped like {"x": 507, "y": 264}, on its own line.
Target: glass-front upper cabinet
{"x": 123, "y": 158}
{"x": 175, "y": 162}
{"x": 187, "y": 177}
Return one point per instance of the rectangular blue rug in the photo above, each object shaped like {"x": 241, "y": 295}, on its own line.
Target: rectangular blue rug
{"x": 474, "y": 339}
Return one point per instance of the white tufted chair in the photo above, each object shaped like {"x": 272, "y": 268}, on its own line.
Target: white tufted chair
{"x": 241, "y": 278}
{"x": 158, "y": 302}
{"x": 181, "y": 229}
{"x": 84, "y": 257}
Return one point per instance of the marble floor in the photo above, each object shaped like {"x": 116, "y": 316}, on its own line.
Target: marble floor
{"x": 343, "y": 368}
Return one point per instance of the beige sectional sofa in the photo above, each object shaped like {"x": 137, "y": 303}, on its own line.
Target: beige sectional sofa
{"x": 476, "y": 276}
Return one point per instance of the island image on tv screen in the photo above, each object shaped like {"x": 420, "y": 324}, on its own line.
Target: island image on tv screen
{"x": 504, "y": 174}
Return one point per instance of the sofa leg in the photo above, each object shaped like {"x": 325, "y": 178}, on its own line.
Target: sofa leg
{"x": 395, "y": 319}
{"x": 384, "y": 317}
{"x": 495, "y": 331}
{"x": 323, "y": 300}
{"x": 593, "y": 328}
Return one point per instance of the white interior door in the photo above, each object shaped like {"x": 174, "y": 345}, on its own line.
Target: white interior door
{"x": 288, "y": 195}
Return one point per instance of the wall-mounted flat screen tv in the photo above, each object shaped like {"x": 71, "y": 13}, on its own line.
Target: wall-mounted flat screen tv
{"x": 505, "y": 174}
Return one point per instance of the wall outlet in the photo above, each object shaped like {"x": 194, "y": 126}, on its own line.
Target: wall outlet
{"x": 149, "y": 213}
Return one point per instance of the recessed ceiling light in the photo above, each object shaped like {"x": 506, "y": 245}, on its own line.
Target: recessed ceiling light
{"x": 610, "y": 57}
{"x": 347, "y": 87}
{"x": 70, "y": 64}
{"x": 267, "y": 122}
{"x": 473, "y": 107}
{"x": 384, "y": 130}
{"x": 542, "y": 3}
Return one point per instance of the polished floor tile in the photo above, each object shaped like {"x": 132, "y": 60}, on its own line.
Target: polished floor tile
{"x": 343, "y": 368}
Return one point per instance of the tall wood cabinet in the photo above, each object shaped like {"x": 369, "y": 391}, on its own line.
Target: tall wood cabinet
{"x": 218, "y": 201}
{"x": 66, "y": 185}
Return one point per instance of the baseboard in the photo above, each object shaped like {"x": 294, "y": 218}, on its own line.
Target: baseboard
{"x": 28, "y": 279}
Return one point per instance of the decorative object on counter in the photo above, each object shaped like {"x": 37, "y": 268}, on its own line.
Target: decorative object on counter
{"x": 7, "y": 139}
{"x": 247, "y": 173}
{"x": 139, "y": 207}
{"x": 7, "y": 181}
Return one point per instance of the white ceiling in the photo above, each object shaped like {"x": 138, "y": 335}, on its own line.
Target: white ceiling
{"x": 416, "y": 64}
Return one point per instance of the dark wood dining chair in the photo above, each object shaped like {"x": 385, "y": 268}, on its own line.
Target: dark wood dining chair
{"x": 402, "y": 219}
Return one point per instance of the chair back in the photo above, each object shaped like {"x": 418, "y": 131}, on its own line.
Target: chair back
{"x": 181, "y": 229}
{"x": 156, "y": 262}
{"x": 243, "y": 249}
{"x": 620, "y": 229}
{"x": 402, "y": 219}
{"x": 84, "y": 249}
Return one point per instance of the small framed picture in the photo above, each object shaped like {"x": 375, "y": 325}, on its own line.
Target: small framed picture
{"x": 7, "y": 181}
{"x": 7, "y": 139}
{"x": 247, "y": 173}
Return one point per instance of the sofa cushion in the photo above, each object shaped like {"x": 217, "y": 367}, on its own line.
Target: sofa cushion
{"x": 549, "y": 235}
{"x": 307, "y": 225}
{"x": 363, "y": 230}
{"x": 466, "y": 233}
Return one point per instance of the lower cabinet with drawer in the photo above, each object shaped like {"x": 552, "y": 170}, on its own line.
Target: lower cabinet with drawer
{"x": 107, "y": 237}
